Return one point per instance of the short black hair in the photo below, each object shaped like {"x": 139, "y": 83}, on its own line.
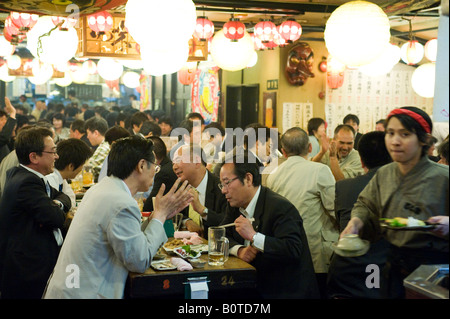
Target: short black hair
{"x": 72, "y": 151}
{"x": 195, "y": 116}
{"x": 214, "y": 125}
{"x": 185, "y": 125}
{"x": 344, "y": 127}
{"x": 138, "y": 118}
{"x": 313, "y": 124}
{"x": 126, "y": 153}
{"x": 166, "y": 119}
{"x": 31, "y": 140}
{"x": 159, "y": 147}
{"x": 242, "y": 166}
{"x": 261, "y": 132}
{"x": 351, "y": 117}
{"x": 372, "y": 149}
{"x": 150, "y": 127}
{"x": 78, "y": 125}
{"x": 443, "y": 150}
{"x": 95, "y": 123}
{"x": 116, "y": 132}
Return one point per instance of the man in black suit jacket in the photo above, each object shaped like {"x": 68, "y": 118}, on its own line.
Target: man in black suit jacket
{"x": 275, "y": 242}
{"x": 31, "y": 216}
{"x": 209, "y": 202}
{"x": 346, "y": 276}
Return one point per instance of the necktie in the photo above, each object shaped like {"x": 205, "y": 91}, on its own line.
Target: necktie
{"x": 60, "y": 187}
{"x": 195, "y": 216}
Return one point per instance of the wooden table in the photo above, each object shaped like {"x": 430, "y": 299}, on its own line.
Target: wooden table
{"x": 235, "y": 279}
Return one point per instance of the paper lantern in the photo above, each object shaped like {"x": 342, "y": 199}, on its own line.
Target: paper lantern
{"x": 144, "y": 17}
{"x": 12, "y": 33}
{"x": 234, "y": 29}
{"x": 290, "y": 30}
{"x": 58, "y": 47}
{"x": 423, "y": 80}
{"x": 204, "y": 29}
{"x": 186, "y": 76}
{"x": 6, "y": 48}
{"x": 384, "y": 63}
{"x": 65, "y": 81}
{"x": 78, "y": 74}
{"x": 254, "y": 60}
{"x": 231, "y": 56}
{"x": 64, "y": 22}
{"x": 335, "y": 73}
{"x": 100, "y": 22}
{"x": 89, "y": 67}
{"x": 356, "y": 33}
{"x": 270, "y": 45}
{"x": 278, "y": 39}
{"x": 132, "y": 64}
{"x": 412, "y": 52}
{"x": 159, "y": 60}
{"x": 131, "y": 79}
{"x": 4, "y": 74}
{"x": 265, "y": 30}
{"x": 13, "y": 62}
{"x": 431, "y": 49}
{"x": 109, "y": 69}
{"x": 24, "y": 21}
{"x": 258, "y": 45}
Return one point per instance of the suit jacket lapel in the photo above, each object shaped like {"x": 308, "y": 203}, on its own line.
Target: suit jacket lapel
{"x": 259, "y": 208}
{"x": 209, "y": 196}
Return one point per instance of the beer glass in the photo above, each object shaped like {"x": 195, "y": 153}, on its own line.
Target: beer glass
{"x": 218, "y": 246}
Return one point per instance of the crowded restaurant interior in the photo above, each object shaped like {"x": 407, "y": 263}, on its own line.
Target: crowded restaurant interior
{"x": 240, "y": 149}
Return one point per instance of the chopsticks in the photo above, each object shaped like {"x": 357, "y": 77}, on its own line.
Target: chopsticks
{"x": 233, "y": 224}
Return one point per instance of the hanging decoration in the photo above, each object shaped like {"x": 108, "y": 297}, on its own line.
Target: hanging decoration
{"x": 423, "y": 80}
{"x": 412, "y": 52}
{"x": 131, "y": 79}
{"x": 431, "y": 49}
{"x": 299, "y": 64}
{"x": 356, "y": 33}
{"x": 109, "y": 69}
{"x": 12, "y": 33}
{"x": 24, "y": 21}
{"x": 234, "y": 29}
{"x": 204, "y": 28}
{"x": 383, "y": 64}
{"x": 258, "y": 45}
{"x": 335, "y": 73}
{"x": 64, "y": 23}
{"x": 290, "y": 30}
{"x": 206, "y": 93}
{"x": 160, "y": 60}
{"x": 100, "y": 22}
{"x": 265, "y": 30}
{"x": 6, "y": 47}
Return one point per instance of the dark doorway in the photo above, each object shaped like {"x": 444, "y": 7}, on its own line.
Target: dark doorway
{"x": 242, "y": 105}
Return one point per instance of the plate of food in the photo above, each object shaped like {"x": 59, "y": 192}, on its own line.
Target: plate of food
{"x": 162, "y": 265}
{"x": 174, "y": 243}
{"x": 186, "y": 252}
{"x": 401, "y": 223}
{"x": 202, "y": 248}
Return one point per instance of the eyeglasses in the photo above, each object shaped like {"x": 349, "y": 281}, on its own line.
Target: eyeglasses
{"x": 54, "y": 152}
{"x": 225, "y": 185}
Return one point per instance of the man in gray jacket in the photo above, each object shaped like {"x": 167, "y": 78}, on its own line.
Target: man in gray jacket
{"x": 105, "y": 241}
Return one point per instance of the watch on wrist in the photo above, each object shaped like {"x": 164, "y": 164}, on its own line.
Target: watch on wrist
{"x": 253, "y": 238}
{"x": 204, "y": 212}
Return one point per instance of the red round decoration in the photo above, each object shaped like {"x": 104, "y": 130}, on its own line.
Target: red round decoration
{"x": 335, "y": 80}
{"x": 270, "y": 45}
{"x": 23, "y": 21}
{"x": 186, "y": 76}
{"x": 278, "y": 39}
{"x": 234, "y": 29}
{"x": 265, "y": 31}
{"x": 258, "y": 45}
{"x": 12, "y": 33}
{"x": 66, "y": 22}
{"x": 290, "y": 30}
{"x": 100, "y": 22}
{"x": 204, "y": 29}
{"x": 323, "y": 66}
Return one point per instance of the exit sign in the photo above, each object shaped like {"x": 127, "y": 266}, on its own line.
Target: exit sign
{"x": 272, "y": 84}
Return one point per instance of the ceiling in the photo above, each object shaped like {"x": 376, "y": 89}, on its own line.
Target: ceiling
{"x": 311, "y": 14}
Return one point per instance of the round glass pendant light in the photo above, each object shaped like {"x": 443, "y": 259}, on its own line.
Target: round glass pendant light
{"x": 356, "y": 33}
{"x": 423, "y": 80}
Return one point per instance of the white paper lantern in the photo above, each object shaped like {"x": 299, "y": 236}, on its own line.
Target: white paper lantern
{"x": 14, "y": 62}
{"x": 160, "y": 22}
{"x": 423, "y": 79}
{"x": 65, "y": 81}
{"x": 232, "y": 56}
{"x": 159, "y": 61}
{"x": 254, "y": 60}
{"x": 78, "y": 74}
{"x": 412, "y": 52}
{"x": 6, "y": 48}
{"x": 131, "y": 80}
{"x": 4, "y": 74}
{"x": 384, "y": 63}
{"x": 431, "y": 49}
{"x": 58, "y": 47}
{"x": 356, "y": 33}
{"x": 109, "y": 69}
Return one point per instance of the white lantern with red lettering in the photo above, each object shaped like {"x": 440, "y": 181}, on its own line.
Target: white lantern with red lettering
{"x": 265, "y": 31}
{"x": 290, "y": 30}
{"x": 23, "y": 21}
{"x": 204, "y": 29}
{"x": 100, "y": 22}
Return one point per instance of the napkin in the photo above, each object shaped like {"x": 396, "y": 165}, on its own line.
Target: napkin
{"x": 180, "y": 264}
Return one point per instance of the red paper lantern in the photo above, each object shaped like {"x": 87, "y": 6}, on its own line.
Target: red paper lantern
{"x": 66, "y": 22}
{"x": 270, "y": 45}
{"x": 12, "y": 33}
{"x": 204, "y": 29}
{"x": 23, "y": 21}
{"x": 186, "y": 76}
{"x": 278, "y": 39}
{"x": 100, "y": 22}
{"x": 335, "y": 73}
{"x": 258, "y": 45}
{"x": 290, "y": 30}
{"x": 265, "y": 31}
{"x": 234, "y": 29}
{"x": 323, "y": 66}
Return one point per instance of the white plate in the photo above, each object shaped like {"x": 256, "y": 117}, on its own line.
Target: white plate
{"x": 203, "y": 248}
{"x": 351, "y": 253}
{"x": 162, "y": 265}
{"x": 183, "y": 254}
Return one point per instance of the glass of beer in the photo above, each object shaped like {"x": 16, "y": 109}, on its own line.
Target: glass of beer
{"x": 88, "y": 177}
{"x": 218, "y": 246}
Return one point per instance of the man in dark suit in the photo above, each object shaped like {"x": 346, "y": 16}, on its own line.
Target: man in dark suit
{"x": 31, "y": 216}
{"x": 275, "y": 242}
{"x": 343, "y": 280}
{"x": 7, "y": 125}
{"x": 209, "y": 204}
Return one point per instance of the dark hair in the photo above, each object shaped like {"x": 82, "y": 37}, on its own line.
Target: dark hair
{"x": 295, "y": 141}
{"x": 30, "y": 140}
{"x": 351, "y": 117}
{"x": 195, "y": 116}
{"x": 138, "y": 118}
{"x": 123, "y": 117}
{"x": 98, "y": 124}
{"x": 116, "y": 132}
{"x": 111, "y": 118}
{"x": 88, "y": 114}
{"x": 166, "y": 119}
{"x": 382, "y": 121}
{"x": 313, "y": 125}
{"x": 214, "y": 125}
{"x": 413, "y": 126}
{"x": 71, "y": 93}
{"x": 59, "y": 116}
{"x": 372, "y": 149}
{"x": 159, "y": 147}
{"x": 262, "y": 134}
{"x": 126, "y": 153}
{"x": 184, "y": 126}
{"x": 3, "y": 113}
{"x": 242, "y": 166}
{"x": 443, "y": 150}
{"x": 150, "y": 127}
{"x": 72, "y": 151}
{"x": 344, "y": 127}
{"x": 78, "y": 125}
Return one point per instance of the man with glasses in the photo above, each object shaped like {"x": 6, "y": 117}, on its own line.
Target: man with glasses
{"x": 268, "y": 233}
{"x": 105, "y": 240}
{"x": 31, "y": 216}
{"x": 208, "y": 207}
